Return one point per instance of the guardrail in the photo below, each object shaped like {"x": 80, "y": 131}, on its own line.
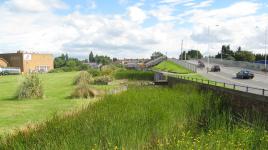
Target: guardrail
{"x": 241, "y": 64}
{"x": 248, "y": 89}
{"x": 185, "y": 64}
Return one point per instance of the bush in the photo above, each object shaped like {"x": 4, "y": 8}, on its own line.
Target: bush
{"x": 102, "y": 80}
{"x": 108, "y": 70}
{"x": 134, "y": 75}
{"x": 94, "y": 72}
{"x": 83, "y": 90}
{"x": 83, "y": 77}
{"x": 31, "y": 88}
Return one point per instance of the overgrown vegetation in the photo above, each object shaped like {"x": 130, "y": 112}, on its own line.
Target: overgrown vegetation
{"x": 134, "y": 75}
{"x": 146, "y": 118}
{"x": 31, "y": 88}
{"x": 170, "y": 66}
{"x": 83, "y": 90}
{"x": 103, "y": 80}
{"x": 83, "y": 77}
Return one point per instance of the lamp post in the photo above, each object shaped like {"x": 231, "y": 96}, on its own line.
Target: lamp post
{"x": 265, "y": 45}
{"x": 208, "y": 44}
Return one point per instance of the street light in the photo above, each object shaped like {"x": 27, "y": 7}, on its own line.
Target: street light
{"x": 265, "y": 46}
{"x": 209, "y": 43}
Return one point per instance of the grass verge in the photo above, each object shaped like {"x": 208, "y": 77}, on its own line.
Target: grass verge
{"x": 172, "y": 67}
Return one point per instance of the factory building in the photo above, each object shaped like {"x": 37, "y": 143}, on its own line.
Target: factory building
{"x": 28, "y": 62}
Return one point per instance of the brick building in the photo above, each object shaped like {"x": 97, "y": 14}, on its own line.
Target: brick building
{"x": 28, "y": 62}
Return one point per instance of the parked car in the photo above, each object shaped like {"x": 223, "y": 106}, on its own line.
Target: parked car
{"x": 201, "y": 64}
{"x": 245, "y": 74}
{"x": 215, "y": 68}
{"x": 10, "y": 71}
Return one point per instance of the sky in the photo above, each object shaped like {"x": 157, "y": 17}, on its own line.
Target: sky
{"x": 131, "y": 28}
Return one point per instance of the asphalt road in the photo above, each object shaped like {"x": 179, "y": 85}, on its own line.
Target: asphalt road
{"x": 228, "y": 75}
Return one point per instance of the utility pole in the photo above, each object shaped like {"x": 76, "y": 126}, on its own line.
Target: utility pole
{"x": 181, "y": 56}
{"x": 185, "y": 57}
{"x": 208, "y": 44}
{"x": 266, "y": 30}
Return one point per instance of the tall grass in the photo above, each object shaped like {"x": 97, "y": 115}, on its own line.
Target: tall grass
{"x": 30, "y": 88}
{"x": 145, "y": 118}
{"x": 83, "y": 77}
{"x": 134, "y": 75}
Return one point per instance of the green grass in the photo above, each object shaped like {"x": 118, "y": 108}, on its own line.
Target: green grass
{"x": 17, "y": 113}
{"x": 145, "y": 118}
{"x": 172, "y": 67}
{"x": 134, "y": 75}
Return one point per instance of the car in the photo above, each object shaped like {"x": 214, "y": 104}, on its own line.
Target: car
{"x": 201, "y": 64}
{"x": 215, "y": 68}
{"x": 245, "y": 74}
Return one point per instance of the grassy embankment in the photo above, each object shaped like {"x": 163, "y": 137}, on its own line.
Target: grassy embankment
{"x": 172, "y": 67}
{"x": 145, "y": 118}
{"x": 57, "y": 89}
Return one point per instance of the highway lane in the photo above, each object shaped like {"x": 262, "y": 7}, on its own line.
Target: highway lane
{"x": 228, "y": 75}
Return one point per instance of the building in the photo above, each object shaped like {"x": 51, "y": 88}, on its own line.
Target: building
{"x": 28, "y": 62}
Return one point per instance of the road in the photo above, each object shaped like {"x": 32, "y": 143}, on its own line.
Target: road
{"x": 228, "y": 75}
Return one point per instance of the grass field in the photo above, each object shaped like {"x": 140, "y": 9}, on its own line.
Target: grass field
{"x": 172, "y": 67}
{"x": 57, "y": 89}
{"x": 145, "y": 118}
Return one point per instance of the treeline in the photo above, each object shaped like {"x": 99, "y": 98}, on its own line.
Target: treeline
{"x": 239, "y": 54}
{"x": 64, "y": 63}
{"x": 191, "y": 54}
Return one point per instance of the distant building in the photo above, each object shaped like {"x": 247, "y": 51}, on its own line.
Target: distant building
{"x": 94, "y": 65}
{"x": 28, "y": 62}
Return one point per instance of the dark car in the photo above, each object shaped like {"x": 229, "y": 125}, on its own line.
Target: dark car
{"x": 215, "y": 68}
{"x": 245, "y": 74}
{"x": 201, "y": 64}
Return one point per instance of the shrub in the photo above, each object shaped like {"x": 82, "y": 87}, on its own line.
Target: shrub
{"x": 108, "y": 70}
{"x": 83, "y": 90}
{"x": 134, "y": 75}
{"x": 83, "y": 77}
{"x": 30, "y": 88}
{"x": 102, "y": 80}
{"x": 94, "y": 72}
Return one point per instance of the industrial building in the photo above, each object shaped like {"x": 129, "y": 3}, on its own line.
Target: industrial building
{"x": 28, "y": 62}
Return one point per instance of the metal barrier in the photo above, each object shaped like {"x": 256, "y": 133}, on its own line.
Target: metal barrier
{"x": 185, "y": 64}
{"x": 253, "y": 90}
{"x": 241, "y": 64}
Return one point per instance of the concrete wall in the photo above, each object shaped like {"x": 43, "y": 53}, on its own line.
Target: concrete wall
{"x": 239, "y": 101}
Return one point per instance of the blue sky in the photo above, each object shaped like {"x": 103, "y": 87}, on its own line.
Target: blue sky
{"x": 131, "y": 28}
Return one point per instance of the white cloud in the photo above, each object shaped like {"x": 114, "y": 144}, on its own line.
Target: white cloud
{"x": 204, "y": 4}
{"x": 163, "y": 13}
{"x": 136, "y": 14}
{"x": 34, "y": 5}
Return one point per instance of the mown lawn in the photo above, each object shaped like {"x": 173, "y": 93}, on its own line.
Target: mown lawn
{"x": 17, "y": 113}
{"x": 172, "y": 67}
{"x": 145, "y": 118}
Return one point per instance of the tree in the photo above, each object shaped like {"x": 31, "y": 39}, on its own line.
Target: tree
{"x": 156, "y": 55}
{"x": 244, "y": 56}
{"x": 91, "y": 57}
{"x": 192, "y": 54}
{"x": 227, "y": 53}
{"x": 104, "y": 60}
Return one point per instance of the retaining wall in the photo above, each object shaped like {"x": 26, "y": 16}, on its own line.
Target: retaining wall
{"x": 239, "y": 101}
